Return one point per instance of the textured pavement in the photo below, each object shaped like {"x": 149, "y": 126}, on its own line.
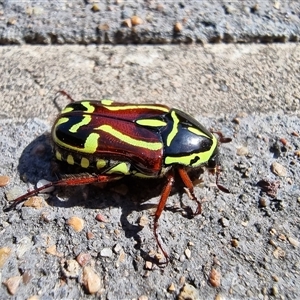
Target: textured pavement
{"x": 245, "y": 245}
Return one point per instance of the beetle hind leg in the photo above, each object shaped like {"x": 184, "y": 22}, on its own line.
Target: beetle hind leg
{"x": 64, "y": 182}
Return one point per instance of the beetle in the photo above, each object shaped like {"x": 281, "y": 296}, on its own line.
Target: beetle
{"x": 109, "y": 140}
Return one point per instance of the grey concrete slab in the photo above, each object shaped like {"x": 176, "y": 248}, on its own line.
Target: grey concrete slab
{"x": 248, "y": 92}
{"x": 159, "y": 22}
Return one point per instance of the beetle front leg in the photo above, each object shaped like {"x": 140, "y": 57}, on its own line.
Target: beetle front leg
{"x": 161, "y": 205}
{"x": 189, "y": 184}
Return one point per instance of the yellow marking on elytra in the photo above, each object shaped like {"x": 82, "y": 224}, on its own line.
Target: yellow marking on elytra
{"x": 90, "y": 146}
{"x": 58, "y": 155}
{"x": 174, "y": 130}
{"x": 129, "y": 140}
{"x": 186, "y": 160}
{"x": 70, "y": 159}
{"x": 198, "y": 132}
{"x": 156, "y": 107}
{"x": 85, "y": 121}
{"x": 90, "y": 108}
{"x": 151, "y": 122}
{"x": 101, "y": 163}
{"x": 84, "y": 162}
{"x": 107, "y": 102}
{"x": 61, "y": 121}
{"x": 122, "y": 168}
{"x": 67, "y": 109}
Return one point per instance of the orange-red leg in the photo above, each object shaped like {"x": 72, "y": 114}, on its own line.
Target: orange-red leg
{"x": 161, "y": 205}
{"x": 188, "y": 183}
{"x": 64, "y": 182}
{"x": 67, "y": 95}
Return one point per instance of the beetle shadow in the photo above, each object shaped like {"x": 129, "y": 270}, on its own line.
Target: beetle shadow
{"x": 128, "y": 193}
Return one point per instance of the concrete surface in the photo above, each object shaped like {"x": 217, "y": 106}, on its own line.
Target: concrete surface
{"x": 159, "y": 22}
{"x": 251, "y": 238}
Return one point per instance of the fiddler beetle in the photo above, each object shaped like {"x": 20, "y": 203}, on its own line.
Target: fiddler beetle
{"x": 109, "y": 140}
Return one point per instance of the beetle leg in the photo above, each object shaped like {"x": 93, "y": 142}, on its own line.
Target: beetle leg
{"x": 64, "y": 182}
{"x": 62, "y": 92}
{"x": 188, "y": 183}
{"x": 161, "y": 205}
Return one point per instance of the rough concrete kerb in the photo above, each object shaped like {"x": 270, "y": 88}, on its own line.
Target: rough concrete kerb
{"x": 155, "y": 22}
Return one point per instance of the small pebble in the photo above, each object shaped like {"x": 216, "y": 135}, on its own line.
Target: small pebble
{"x": 4, "y": 180}
{"x": 293, "y": 241}
{"x": 106, "y": 252}
{"x": 143, "y": 297}
{"x": 95, "y": 7}
{"x": 90, "y": 235}
{"x": 263, "y": 202}
{"x": 297, "y": 153}
{"x": 101, "y": 218}
{"x": 148, "y": 265}
{"x": 117, "y": 248}
{"x": 143, "y": 221}
{"x": 12, "y": 284}
{"x": 91, "y": 280}
{"x": 12, "y": 21}
{"x": 278, "y": 169}
{"x": 70, "y": 268}
{"x": 135, "y": 20}
{"x": 276, "y": 4}
{"x": 26, "y": 277}
{"x": 274, "y": 290}
{"x": 236, "y": 121}
{"x": 35, "y": 202}
{"x": 52, "y": 251}
{"x": 255, "y": 7}
{"x": 178, "y": 27}
{"x": 187, "y": 253}
{"x": 244, "y": 223}
{"x": 279, "y": 253}
{"x": 182, "y": 280}
{"x": 4, "y": 255}
{"x": 234, "y": 243}
{"x": 188, "y": 292}
{"x": 103, "y": 27}
{"x": 215, "y": 278}
{"x": 282, "y": 237}
{"x": 127, "y": 23}
{"x": 171, "y": 288}
{"x": 83, "y": 258}
{"x": 224, "y": 222}
{"x": 76, "y": 223}
{"x": 34, "y": 297}
{"x": 283, "y": 141}
{"x": 122, "y": 257}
